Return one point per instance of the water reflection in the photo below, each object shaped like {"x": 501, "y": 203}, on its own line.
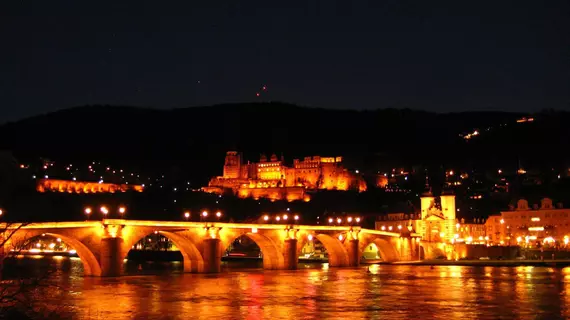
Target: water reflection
{"x": 312, "y": 292}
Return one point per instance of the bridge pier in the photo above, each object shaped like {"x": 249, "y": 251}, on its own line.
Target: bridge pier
{"x": 290, "y": 254}
{"x": 353, "y": 253}
{"x": 212, "y": 256}
{"x": 111, "y": 257}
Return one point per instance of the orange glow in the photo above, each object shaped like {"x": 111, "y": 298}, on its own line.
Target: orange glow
{"x": 88, "y": 211}
{"x": 52, "y": 185}
{"x": 104, "y": 210}
{"x": 272, "y": 179}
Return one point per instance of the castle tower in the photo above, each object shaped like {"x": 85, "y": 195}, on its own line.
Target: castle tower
{"x": 232, "y": 165}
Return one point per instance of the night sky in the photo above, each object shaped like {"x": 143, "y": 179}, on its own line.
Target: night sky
{"x": 434, "y": 55}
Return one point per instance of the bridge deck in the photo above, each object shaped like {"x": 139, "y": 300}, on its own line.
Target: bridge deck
{"x": 190, "y": 224}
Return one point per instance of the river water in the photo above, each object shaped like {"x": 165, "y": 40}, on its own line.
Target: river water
{"x": 312, "y": 292}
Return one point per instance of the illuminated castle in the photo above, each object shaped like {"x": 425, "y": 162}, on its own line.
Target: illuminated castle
{"x": 271, "y": 178}
{"x": 53, "y": 185}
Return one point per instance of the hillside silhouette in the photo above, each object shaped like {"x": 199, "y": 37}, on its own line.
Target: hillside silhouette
{"x": 195, "y": 139}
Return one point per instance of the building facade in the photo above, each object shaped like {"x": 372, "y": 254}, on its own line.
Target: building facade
{"x": 543, "y": 224}
{"x": 272, "y": 178}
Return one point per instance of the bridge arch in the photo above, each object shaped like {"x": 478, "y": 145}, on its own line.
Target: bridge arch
{"x": 272, "y": 253}
{"x": 386, "y": 249}
{"x": 91, "y": 265}
{"x": 191, "y": 257}
{"x": 337, "y": 252}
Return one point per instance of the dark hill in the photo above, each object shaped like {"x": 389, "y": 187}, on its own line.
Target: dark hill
{"x": 198, "y": 137}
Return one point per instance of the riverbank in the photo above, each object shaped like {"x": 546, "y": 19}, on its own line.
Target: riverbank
{"x": 487, "y": 263}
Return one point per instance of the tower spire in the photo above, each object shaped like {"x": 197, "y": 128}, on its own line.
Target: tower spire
{"x": 427, "y": 191}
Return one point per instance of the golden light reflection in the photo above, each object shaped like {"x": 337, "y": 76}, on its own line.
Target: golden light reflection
{"x": 374, "y": 269}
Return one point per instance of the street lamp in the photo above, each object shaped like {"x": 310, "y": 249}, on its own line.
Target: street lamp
{"x": 87, "y": 211}
{"x": 357, "y": 219}
{"x": 265, "y": 218}
{"x": 104, "y": 210}
{"x": 296, "y": 217}
{"x": 186, "y": 215}
{"x": 285, "y": 217}
{"x": 218, "y": 214}
{"x": 1, "y": 212}
{"x": 122, "y": 210}
{"x": 330, "y": 220}
{"x": 339, "y": 220}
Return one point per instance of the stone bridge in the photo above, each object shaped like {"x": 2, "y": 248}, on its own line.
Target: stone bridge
{"x": 103, "y": 245}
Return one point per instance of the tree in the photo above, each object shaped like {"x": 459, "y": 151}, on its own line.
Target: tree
{"x": 16, "y": 293}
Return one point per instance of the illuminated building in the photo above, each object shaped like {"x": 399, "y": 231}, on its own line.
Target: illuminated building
{"x": 526, "y": 226}
{"x": 435, "y": 223}
{"x": 272, "y": 178}
{"x": 542, "y": 224}
{"x": 53, "y": 185}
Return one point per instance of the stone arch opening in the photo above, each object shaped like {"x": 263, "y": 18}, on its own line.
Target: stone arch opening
{"x": 370, "y": 252}
{"x": 386, "y": 250}
{"x": 91, "y": 266}
{"x": 192, "y": 259}
{"x": 272, "y": 254}
{"x": 422, "y": 253}
{"x": 334, "y": 246}
{"x": 337, "y": 253}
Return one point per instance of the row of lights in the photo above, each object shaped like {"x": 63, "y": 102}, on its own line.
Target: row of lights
{"x": 279, "y": 218}
{"x": 348, "y": 220}
{"x": 105, "y": 210}
{"x": 204, "y": 214}
{"x": 383, "y": 228}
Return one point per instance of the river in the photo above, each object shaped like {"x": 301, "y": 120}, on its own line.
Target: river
{"x": 312, "y": 292}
